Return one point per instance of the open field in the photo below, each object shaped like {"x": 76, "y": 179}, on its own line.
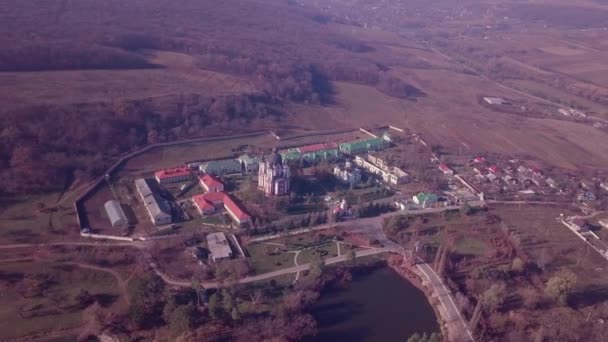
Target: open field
{"x": 66, "y": 87}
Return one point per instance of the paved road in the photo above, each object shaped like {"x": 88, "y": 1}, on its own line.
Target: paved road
{"x": 458, "y": 330}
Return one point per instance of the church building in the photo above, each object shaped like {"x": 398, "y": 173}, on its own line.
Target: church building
{"x": 273, "y": 176}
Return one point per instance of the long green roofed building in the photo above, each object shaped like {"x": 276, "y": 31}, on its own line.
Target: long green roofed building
{"x": 363, "y": 146}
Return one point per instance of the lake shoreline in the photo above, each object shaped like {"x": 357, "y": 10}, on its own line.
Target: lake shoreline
{"x": 371, "y": 308}
{"x": 410, "y": 275}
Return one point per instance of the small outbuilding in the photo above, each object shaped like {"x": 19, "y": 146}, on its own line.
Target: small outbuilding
{"x": 115, "y": 213}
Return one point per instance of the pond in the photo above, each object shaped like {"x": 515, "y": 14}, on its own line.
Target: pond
{"x": 378, "y": 306}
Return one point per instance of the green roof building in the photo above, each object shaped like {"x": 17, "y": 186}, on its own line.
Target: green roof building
{"x": 221, "y": 167}
{"x": 425, "y": 199}
{"x": 321, "y": 154}
{"x": 363, "y": 146}
{"x": 250, "y": 164}
{"x": 291, "y": 154}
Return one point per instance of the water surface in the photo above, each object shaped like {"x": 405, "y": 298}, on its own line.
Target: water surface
{"x": 380, "y": 306}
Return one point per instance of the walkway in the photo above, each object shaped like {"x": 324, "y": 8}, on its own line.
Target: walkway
{"x": 456, "y": 326}
{"x": 269, "y": 275}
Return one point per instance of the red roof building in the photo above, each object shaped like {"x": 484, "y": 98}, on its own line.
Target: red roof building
{"x": 209, "y": 202}
{"x": 495, "y": 169}
{"x": 211, "y": 183}
{"x": 479, "y": 160}
{"x": 174, "y": 175}
{"x": 445, "y": 169}
{"x": 235, "y": 211}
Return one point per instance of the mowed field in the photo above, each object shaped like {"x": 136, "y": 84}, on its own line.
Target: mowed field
{"x": 177, "y": 74}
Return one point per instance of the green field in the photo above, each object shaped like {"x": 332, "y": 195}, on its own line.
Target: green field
{"x": 325, "y": 251}
{"x": 262, "y": 262}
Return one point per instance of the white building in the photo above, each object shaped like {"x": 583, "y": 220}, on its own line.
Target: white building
{"x": 219, "y": 247}
{"x": 380, "y": 167}
{"x": 115, "y": 214}
{"x": 351, "y": 176}
{"x": 494, "y": 100}
{"x": 158, "y": 208}
{"x": 273, "y": 176}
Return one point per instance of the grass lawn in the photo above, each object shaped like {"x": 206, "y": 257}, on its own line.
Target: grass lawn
{"x": 470, "y": 246}
{"x": 302, "y": 241}
{"x": 45, "y": 310}
{"x": 214, "y": 219}
{"x": 326, "y": 251}
{"x": 22, "y": 221}
{"x": 263, "y": 263}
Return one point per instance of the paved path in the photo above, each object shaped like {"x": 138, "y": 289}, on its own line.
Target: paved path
{"x": 269, "y": 275}
{"x": 458, "y": 331}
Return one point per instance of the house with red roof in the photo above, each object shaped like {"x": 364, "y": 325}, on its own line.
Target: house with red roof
{"x": 479, "y": 160}
{"x": 495, "y": 169}
{"x": 445, "y": 169}
{"x": 174, "y": 175}
{"x": 211, "y": 183}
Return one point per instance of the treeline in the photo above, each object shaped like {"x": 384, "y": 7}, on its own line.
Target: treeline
{"x": 281, "y": 81}
{"x": 42, "y": 147}
{"x": 69, "y": 57}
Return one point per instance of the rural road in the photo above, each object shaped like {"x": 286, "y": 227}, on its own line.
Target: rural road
{"x": 458, "y": 330}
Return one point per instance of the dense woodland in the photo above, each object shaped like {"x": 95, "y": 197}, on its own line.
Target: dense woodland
{"x": 290, "y": 55}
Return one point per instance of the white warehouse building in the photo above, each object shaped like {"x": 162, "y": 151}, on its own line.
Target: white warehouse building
{"x": 115, "y": 213}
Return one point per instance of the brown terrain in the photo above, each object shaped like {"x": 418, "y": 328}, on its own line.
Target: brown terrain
{"x": 84, "y": 82}
{"x": 103, "y": 78}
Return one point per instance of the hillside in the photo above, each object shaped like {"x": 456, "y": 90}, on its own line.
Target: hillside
{"x": 95, "y": 79}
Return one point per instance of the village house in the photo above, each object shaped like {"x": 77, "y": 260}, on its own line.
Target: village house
{"x": 425, "y": 199}
{"x": 604, "y": 185}
{"x": 551, "y": 182}
{"x": 495, "y": 169}
{"x": 445, "y": 169}
{"x": 604, "y": 223}
{"x": 174, "y": 175}
{"x": 218, "y": 246}
{"x": 522, "y": 169}
{"x": 479, "y": 160}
